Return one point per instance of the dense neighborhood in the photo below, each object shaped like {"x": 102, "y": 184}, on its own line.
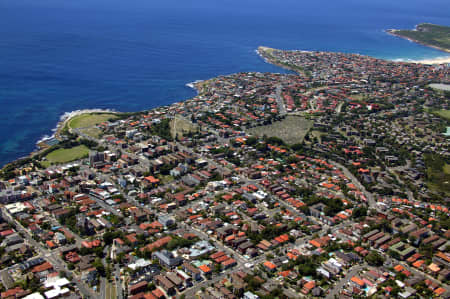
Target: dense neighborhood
{"x": 328, "y": 181}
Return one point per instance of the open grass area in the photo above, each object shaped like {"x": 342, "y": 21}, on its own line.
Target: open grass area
{"x": 93, "y": 132}
{"x": 292, "y": 129}
{"x": 180, "y": 126}
{"x": 89, "y": 119}
{"x": 447, "y": 168}
{"x": 442, "y": 113}
{"x": 438, "y": 173}
{"x": 64, "y": 155}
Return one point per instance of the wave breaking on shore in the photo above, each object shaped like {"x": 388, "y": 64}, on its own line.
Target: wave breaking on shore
{"x": 436, "y": 60}
{"x": 192, "y": 84}
{"x": 67, "y": 116}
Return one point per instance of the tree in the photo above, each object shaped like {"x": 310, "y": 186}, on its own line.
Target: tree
{"x": 251, "y": 140}
{"x": 100, "y": 267}
{"x": 374, "y": 259}
{"x": 359, "y": 212}
{"x": 217, "y": 268}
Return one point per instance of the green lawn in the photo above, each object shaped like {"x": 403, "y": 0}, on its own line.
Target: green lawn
{"x": 443, "y": 113}
{"x": 63, "y": 155}
{"x": 89, "y": 119}
{"x": 93, "y": 132}
{"x": 447, "y": 168}
{"x": 438, "y": 173}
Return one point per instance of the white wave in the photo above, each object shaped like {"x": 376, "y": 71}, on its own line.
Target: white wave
{"x": 70, "y": 114}
{"x": 425, "y": 60}
{"x": 45, "y": 138}
{"x": 192, "y": 84}
{"x": 67, "y": 115}
{"x": 401, "y": 59}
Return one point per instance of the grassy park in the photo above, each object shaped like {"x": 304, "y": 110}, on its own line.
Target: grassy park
{"x": 292, "y": 129}
{"x": 64, "y": 155}
{"x": 89, "y": 119}
{"x": 180, "y": 126}
{"x": 438, "y": 173}
{"x": 443, "y": 113}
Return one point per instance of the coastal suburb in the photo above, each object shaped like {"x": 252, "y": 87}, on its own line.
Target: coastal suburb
{"x": 331, "y": 180}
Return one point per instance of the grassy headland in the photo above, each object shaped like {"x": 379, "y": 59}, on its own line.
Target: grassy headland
{"x": 89, "y": 120}
{"x": 431, "y": 35}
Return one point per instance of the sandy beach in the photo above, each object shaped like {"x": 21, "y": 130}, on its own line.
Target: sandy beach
{"x": 441, "y": 60}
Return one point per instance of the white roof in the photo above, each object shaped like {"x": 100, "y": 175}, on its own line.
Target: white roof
{"x": 53, "y": 282}
{"x": 55, "y": 293}
{"x": 140, "y": 263}
{"x": 34, "y": 296}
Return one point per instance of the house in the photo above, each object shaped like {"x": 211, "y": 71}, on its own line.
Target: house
{"x": 193, "y": 271}
{"x": 166, "y": 220}
{"x": 42, "y": 270}
{"x": 175, "y": 279}
{"x": 229, "y": 263}
{"x": 403, "y": 250}
{"x": 165, "y": 284}
{"x": 138, "y": 287}
{"x": 250, "y": 295}
{"x": 167, "y": 259}
{"x": 205, "y": 270}
{"x": 269, "y": 266}
{"x": 200, "y": 248}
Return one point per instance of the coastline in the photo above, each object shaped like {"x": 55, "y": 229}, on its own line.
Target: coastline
{"x": 393, "y": 33}
{"x": 261, "y": 50}
{"x": 196, "y": 85}
{"x": 438, "y": 60}
{"x": 63, "y": 120}
{"x": 67, "y": 116}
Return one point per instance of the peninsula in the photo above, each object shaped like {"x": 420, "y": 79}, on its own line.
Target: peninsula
{"x": 430, "y": 35}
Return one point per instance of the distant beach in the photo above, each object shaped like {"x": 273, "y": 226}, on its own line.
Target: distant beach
{"x": 438, "y": 60}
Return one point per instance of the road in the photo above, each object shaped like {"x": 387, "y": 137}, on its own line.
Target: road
{"x": 119, "y": 289}
{"x": 280, "y": 102}
{"x": 191, "y": 292}
{"x": 54, "y": 259}
{"x": 394, "y": 171}
{"x": 240, "y": 259}
{"x": 369, "y": 196}
{"x": 343, "y": 281}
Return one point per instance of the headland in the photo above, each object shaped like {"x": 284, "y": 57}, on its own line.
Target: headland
{"x": 430, "y": 35}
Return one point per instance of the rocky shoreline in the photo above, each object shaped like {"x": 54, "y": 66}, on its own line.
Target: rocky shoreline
{"x": 64, "y": 119}
{"x": 394, "y": 33}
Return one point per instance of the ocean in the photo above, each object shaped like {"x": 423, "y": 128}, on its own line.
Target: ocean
{"x": 58, "y": 56}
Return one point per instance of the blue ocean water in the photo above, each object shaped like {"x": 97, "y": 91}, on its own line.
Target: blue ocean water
{"x": 60, "y": 55}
